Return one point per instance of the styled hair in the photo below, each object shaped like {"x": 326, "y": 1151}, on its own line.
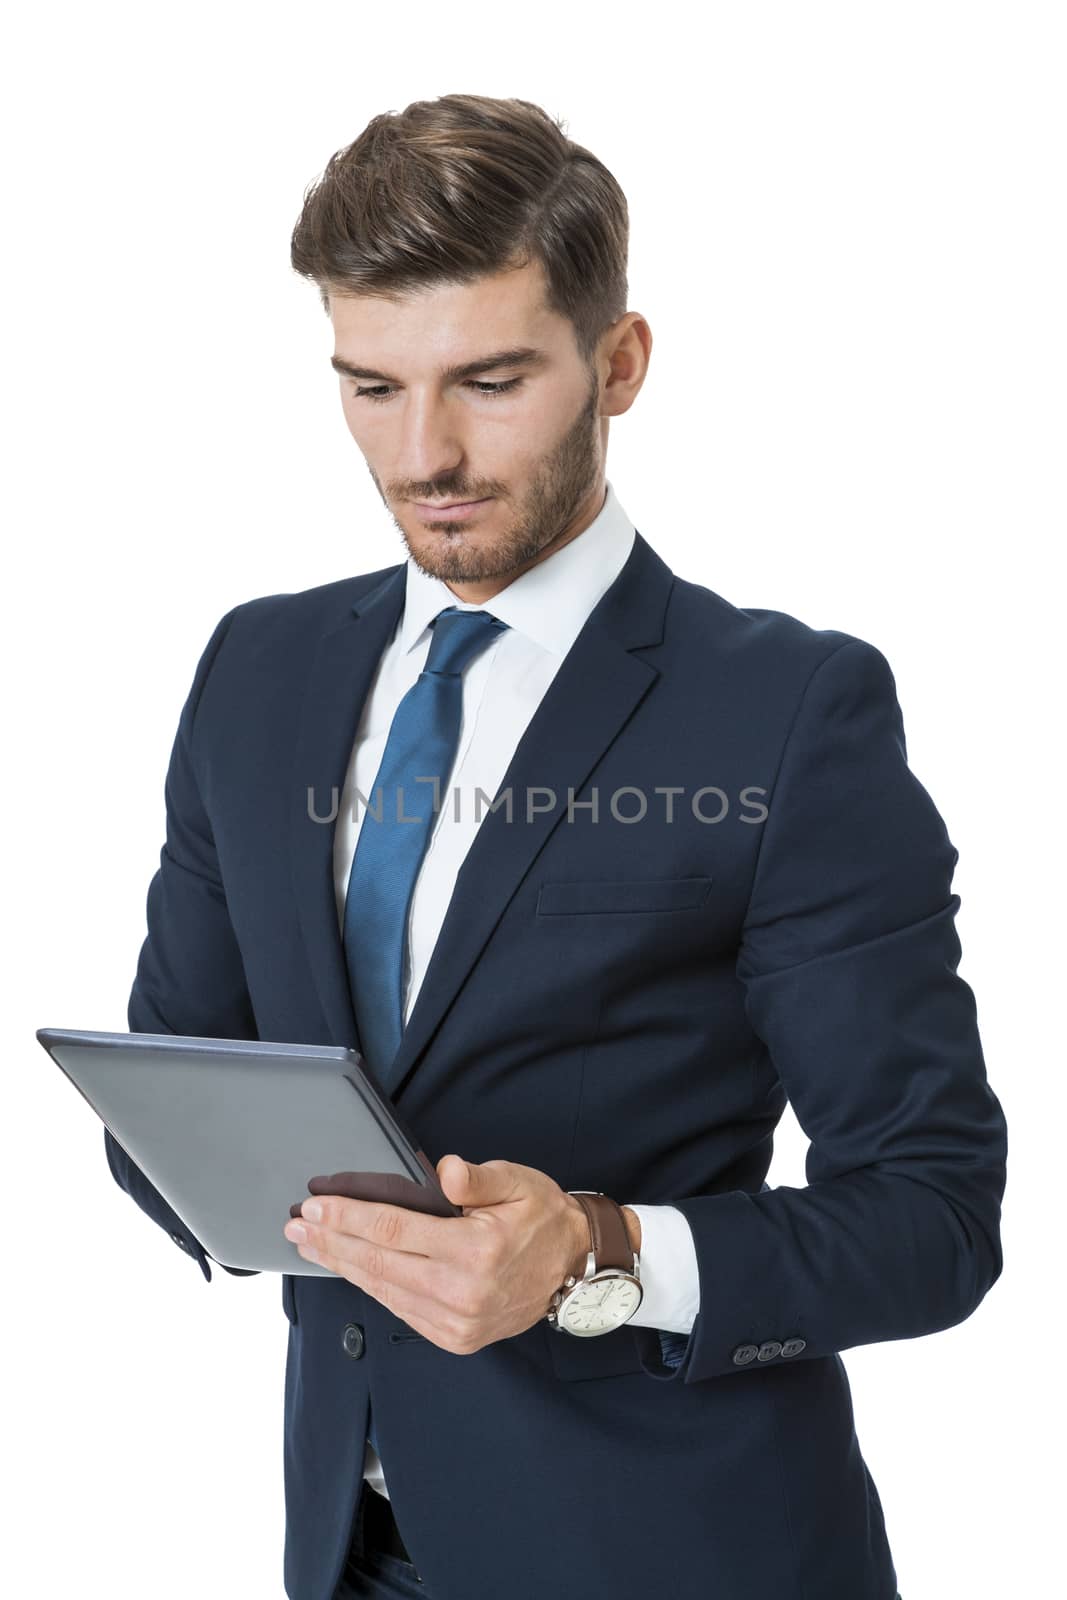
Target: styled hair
{"x": 453, "y": 189}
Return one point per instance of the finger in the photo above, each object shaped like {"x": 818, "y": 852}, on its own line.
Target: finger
{"x": 378, "y": 1267}
{"x": 422, "y": 1298}
{"x": 421, "y": 1316}
{"x": 393, "y": 1227}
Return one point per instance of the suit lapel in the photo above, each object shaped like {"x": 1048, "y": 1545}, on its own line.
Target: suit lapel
{"x": 339, "y": 680}
{"x": 596, "y": 690}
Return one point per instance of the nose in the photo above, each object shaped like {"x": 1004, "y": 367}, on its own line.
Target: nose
{"x": 430, "y": 450}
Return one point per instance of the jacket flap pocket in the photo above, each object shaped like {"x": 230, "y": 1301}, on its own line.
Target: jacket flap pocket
{"x": 606, "y": 1356}
{"x": 614, "y": 894}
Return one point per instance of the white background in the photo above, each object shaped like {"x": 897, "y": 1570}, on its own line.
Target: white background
{"x": 847, "y": 236}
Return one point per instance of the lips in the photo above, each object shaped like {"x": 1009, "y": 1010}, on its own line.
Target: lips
{"x": 452, "y": 510}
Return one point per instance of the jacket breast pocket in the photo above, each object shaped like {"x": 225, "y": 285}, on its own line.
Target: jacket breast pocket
{"x": 289, "y": 1296}
{"x": 601, "y": 897}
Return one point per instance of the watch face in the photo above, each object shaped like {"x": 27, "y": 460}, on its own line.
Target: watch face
{"x": 600, "y": 1304}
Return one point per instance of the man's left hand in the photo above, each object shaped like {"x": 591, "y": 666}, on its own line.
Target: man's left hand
{"x": 462, "y": 1282}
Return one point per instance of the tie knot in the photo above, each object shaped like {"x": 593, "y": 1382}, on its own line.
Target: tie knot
{"x": 458, "y": 636}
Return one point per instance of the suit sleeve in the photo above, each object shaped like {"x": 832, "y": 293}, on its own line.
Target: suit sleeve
{"x": 848, "y": 960}
{"x": 190, "y": 978}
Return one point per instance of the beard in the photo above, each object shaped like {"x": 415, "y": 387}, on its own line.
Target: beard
{"x": 563, "y": 480}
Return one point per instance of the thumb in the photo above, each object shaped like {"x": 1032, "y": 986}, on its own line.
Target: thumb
{"x": 458, "y": 1178}
{"x": 468, "y": 1183}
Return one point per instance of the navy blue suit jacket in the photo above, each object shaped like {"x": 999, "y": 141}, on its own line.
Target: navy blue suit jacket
{"x": 626, "y": 1006}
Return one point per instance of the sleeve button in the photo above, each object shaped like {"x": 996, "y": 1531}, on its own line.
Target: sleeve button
{"x": 744, "y": 1354}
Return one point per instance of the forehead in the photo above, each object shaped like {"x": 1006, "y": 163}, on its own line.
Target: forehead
{"x": 442, "y": 322}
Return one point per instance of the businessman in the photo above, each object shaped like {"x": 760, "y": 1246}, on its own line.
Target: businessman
{"x": 599, "y": 872}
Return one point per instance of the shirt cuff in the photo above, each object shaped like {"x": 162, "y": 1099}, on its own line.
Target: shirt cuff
{"x": 670, "y": 1277}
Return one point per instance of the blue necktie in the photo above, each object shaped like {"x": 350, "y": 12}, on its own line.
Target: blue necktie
{"x": 422, "y": 744}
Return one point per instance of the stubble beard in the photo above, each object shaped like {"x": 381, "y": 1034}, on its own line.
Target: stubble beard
{"x": 457, "y": 554}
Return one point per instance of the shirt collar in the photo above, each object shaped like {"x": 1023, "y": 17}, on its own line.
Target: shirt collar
{"x": 550, "y": 602}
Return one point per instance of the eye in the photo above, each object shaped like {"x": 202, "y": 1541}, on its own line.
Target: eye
{"x": 490, "y": 390}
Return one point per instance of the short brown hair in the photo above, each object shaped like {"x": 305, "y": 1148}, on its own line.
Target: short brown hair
{"x": 453, "y": 189}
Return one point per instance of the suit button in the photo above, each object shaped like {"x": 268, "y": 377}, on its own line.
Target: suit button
{"x": 178, "y": 1240}
{"x": 744, "y": 1354}
{"x": 769, "y": 1349}
{"x": 352, "y": 1341}
{"x": 793, "y": 1347}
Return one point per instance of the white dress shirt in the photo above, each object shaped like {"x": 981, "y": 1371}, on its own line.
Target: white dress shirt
{"x": 545, "y": 608}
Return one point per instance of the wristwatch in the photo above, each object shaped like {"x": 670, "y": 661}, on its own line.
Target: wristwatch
{"x": 609, "y": 1291}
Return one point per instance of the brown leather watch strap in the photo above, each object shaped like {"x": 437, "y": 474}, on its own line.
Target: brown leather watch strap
{"x": 607, "y": 1230}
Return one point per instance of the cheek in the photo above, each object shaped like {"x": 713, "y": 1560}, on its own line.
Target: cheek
{"x": 534, "y": 438}
{"x": 355, "y": 415}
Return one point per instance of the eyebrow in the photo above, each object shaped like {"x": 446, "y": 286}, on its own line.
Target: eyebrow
{"x": 519, "y": 356}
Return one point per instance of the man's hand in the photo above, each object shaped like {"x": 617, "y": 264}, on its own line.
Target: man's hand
{"x": 462, "y": 1282}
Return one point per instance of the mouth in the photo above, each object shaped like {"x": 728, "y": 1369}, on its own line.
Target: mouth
{"x": 452, "y": 509}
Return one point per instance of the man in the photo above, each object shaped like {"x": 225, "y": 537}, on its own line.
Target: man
{"x": 707, "y": 883}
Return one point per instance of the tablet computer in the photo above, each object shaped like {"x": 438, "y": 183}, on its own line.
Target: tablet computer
{"x": 235, "y": 1133}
